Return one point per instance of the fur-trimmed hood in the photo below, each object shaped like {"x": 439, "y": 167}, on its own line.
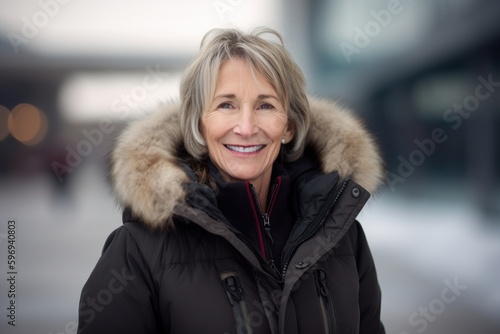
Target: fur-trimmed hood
{"x": 146, "y": 177}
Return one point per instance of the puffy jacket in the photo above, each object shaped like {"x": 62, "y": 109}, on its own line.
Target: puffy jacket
{"x": 177, "y": 265}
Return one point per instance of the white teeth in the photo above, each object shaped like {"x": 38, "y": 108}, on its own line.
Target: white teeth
{"x": 244, "y": 149}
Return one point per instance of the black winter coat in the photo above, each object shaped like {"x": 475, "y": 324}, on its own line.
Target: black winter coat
{"x": 177, "y": 265}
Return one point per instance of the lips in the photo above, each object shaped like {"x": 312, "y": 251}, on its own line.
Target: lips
{"x": 245, "y": 149}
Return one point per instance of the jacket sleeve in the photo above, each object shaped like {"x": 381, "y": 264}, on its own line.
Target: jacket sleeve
{"x": 119, "y": 295}
{"x": 369, "y": 290}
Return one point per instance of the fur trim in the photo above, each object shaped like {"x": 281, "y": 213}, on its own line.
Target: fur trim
{"x": 144, "y": 173}
{"x": 343, "y": 144}
{"x": 146, "y": 177}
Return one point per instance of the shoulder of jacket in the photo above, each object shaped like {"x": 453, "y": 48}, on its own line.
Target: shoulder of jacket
{"x": 149, "y": 242}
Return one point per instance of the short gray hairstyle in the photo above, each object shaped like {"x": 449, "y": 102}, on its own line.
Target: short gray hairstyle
{"x": 267, "y": 57}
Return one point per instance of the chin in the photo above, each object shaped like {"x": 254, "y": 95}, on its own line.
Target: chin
{"x": 245, "y": 175}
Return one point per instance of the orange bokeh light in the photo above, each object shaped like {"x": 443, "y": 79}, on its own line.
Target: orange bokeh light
{"x": 27, "y": 124}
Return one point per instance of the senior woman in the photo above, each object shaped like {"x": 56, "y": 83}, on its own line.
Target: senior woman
{"x": 240, "y": 206}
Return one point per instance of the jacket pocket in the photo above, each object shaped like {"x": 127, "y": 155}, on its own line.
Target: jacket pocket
{"x": 234, "y": 292}
{"x": 326, "y": 302}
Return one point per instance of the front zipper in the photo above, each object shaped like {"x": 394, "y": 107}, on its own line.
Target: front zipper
{"x": 323, "y": 214}
{"x": 266, "y": 221}
{"x": 326, "y": 302}
{"x": 265, "y": 214}
{"x": 234, "y": 292}
{"x": 250, "y": 246}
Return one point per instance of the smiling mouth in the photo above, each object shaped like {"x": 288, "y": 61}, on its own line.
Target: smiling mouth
{"x": 245, "y": 149}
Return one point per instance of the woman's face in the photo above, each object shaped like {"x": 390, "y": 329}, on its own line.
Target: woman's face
{"x": 244, "y": 124}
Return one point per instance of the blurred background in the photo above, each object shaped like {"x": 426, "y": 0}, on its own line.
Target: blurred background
{"x": 424, "y": 75}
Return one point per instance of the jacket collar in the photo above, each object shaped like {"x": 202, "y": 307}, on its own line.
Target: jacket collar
{"x": 146, "y": 176}
{"x": 239, "y": 205}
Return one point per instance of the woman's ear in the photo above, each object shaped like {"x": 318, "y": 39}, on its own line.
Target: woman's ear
{"x": 289, "y": 133}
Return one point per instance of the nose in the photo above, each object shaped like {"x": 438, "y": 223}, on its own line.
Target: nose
{"x": 246, "y": 123}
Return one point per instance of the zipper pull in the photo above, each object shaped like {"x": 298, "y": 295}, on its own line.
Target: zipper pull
{"x": 274, "y": 268}
{"x": 267, "y": 226}
{"x": 323, "y": 287}
{"x": 233, "y": 289}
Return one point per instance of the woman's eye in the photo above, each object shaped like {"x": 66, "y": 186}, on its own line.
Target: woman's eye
{"x": 224, "y": 105}
{"x": 266, "y": 106}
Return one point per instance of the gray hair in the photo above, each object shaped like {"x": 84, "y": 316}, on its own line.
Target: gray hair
{"x": 269, "y": 58}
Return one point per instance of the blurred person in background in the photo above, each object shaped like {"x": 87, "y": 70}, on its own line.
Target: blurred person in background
{"x": 240, "y": 206}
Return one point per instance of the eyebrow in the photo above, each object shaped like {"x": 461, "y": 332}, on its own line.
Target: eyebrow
{"x": 225, "y": 96}
{"x": 262, "y": 97}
